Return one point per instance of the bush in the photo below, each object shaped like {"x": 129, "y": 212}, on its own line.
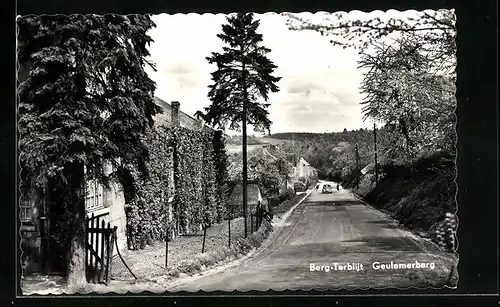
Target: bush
{"x": 285, "y": 195}
{"x": 419, "y": 195}
{"x": 304, "y": 180}
{"x": 313, "y": 182}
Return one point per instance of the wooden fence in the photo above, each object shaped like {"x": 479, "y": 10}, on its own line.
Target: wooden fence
{"x": 257, "y": 217}
{"x": 99, "y": 249}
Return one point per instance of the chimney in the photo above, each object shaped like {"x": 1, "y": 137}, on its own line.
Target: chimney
{"x": 175, "y": 113}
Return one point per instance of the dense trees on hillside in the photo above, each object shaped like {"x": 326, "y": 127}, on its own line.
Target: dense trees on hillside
{"x": 330, "y": 153}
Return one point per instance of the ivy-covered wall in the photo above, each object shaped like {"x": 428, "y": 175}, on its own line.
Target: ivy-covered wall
{"x": 185, "y": 186}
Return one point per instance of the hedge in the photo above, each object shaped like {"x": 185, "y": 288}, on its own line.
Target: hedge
{"x": 190, "y": 168}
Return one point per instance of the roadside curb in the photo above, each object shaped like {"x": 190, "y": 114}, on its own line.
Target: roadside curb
{"x": 285, "y": 216}
{"x": 254, "y": 252}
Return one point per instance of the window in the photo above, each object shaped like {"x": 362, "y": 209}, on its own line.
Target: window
{"x": 26, "y": 212}
{"x": 94, "y": 196}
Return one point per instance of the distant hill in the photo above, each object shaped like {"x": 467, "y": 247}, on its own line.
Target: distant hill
{"x": 238, "y": 140}
{"x": 234, "y": 148}
{"x": 297, "y": 136}
{"x": 233, "y": 141}
{"x": 346, "y": 136}
{"x": 274, "y": 141}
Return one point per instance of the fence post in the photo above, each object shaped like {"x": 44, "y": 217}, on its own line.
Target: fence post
{"x": 103, "y": 235}
{"x": 111, "y": 248}
{"x": 166, "y": 247}
{"x": 257, "y": 218}
{"x": 108, "y": 255}
{"x": 86, "y": 249}
{"x": 204, "y": 236}
{"x": 261, "y": 216}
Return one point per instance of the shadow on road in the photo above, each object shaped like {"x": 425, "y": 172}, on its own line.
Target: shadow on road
{"x": 346, "y": 202}
{"x": 385, "y": 243}
{"x": 383, "y": 224}
{"x": 335, "y": 203}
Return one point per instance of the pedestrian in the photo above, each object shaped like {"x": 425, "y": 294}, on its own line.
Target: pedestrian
{"x": 338, "y": 187}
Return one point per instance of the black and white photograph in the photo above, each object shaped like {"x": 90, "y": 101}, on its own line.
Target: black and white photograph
{"x": 244, "y": 151}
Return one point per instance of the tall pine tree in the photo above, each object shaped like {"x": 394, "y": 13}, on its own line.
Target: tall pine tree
{"x": 84, "y": 98}
{"x": 244, "y": 73}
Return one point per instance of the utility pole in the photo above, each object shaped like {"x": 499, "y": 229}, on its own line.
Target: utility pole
{"x": 375, "y": 142}
{"x": 357, "y": 165}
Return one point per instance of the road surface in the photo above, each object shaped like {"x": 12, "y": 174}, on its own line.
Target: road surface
{"x": 323, "y": 233}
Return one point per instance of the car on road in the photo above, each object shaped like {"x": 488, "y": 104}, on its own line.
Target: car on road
{"x": 327, "y": 189}
{"x": 299, "y": 187}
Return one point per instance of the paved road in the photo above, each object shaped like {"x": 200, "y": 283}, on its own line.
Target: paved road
{"x": 327, "y": 229}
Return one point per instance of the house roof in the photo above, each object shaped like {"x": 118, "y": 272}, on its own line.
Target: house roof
{"x": 304, "y": 161}
{"x": 290, "y": 158}
{"x": 253, "y": 190}
{"x": 185, "y": 120}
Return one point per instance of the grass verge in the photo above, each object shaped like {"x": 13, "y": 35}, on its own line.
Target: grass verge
{"x": 200, "y": 262}
{"x": 286, "y": 205}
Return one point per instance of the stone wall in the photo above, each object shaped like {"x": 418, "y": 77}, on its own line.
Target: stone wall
{"x": 115, "y": 199}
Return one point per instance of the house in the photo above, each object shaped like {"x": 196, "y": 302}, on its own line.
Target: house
{"x": 302, "y": 169}
{"x": 254, "y": 197}
{"x": 107, "y": 204}
{"x": 172, "y": 116}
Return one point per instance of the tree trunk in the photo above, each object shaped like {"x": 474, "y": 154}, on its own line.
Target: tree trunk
{"x": 76, "y": 267}
{"x": 244, "y": 124}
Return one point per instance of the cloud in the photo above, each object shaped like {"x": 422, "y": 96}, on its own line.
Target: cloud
{"x": 181, "y": 67}
{"x": 302, "y": 86}
{"x": 319, "y": 89}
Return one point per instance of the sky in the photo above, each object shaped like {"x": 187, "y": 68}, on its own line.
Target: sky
{"x": 319, "y": 89}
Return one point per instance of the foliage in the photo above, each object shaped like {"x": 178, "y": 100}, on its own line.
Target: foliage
{"x": 77, "y": 103}
{"x": 197, "y": 163}
{"x": 221, "y": 163}
{"x": 238, "y": 140}
{"x": 409, "y": 79}
{"x": 147, "y": 209}
{"x": 287, "y": 194}
{"x": 243, "y": 74}
{"x": 435, "y": 30}
{"x": 84, "y": 98}
{"x": 418, "y": 194}
{"x": 268, "y": 171}
{"x": 334, "y": 154}
{"x": 402, "y": 92}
